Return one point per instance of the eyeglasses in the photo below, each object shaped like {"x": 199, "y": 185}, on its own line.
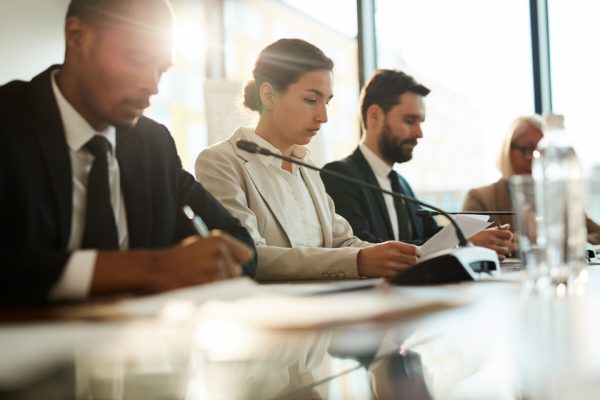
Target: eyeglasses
{"x": 527, "y": 151}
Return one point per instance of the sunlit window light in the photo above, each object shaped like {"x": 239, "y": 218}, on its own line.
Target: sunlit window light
{"x": 189, "y": 39}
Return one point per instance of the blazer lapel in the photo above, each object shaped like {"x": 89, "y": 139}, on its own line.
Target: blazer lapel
{"x": 319, "y": 200}
{"x": 370, "y": 178}
{"x": 47, "y": 127}
{"x": 503, "y": 202}
{"x": 502, "y": 195}
{"x": 260, "y": 177}
{"x": 135, "y": 186}
{"x": 259, "y": 174}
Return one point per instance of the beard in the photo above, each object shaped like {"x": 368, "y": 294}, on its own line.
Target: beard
{"x": 394, "y": 150}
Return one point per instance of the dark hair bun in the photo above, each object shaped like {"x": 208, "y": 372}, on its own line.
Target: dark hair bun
{"x": 251, "y": 96}
{"x": 282, "y": 63}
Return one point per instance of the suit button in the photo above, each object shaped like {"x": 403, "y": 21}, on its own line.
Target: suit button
{"x": 341, "y": 274}
{"x": 325, "y": 275}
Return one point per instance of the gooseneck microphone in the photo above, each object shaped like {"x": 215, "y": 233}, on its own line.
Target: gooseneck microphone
{"x": 467, "y": 262}
{"x": 428, "y": 213}
{"x": 252, "y": 147}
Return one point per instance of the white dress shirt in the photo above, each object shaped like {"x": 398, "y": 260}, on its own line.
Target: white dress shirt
{"x": 381, "y": 170}
{"x": 304, "y": 224}
{"x": 74, "y": 284}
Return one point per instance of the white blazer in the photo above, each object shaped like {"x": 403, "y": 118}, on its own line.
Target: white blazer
{"x": 241, "y": 182}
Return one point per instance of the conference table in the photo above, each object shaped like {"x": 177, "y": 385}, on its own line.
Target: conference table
{"x": 488, "y": 339}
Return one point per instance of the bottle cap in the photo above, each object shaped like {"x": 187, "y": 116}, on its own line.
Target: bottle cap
{"x": 555, "y": 121}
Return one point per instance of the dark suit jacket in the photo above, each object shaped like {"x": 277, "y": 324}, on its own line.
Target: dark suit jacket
{"x": 36, "y": 191}
{"x": 365, "y": 208}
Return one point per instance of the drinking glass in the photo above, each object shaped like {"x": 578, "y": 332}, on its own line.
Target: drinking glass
{"x": 529, "y": 230}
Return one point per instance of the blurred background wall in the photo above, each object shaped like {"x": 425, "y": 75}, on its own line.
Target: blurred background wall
{"x": 475, "y": 55}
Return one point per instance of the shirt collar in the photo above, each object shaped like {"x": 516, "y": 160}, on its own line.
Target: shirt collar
{"x": 77, "y": 130}
{"x": 380, "y": 168}
{"x": 299, "y": 152}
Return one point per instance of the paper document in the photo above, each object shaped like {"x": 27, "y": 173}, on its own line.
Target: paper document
{"x": 446, "y": 238}
{"x": 231, "y": 289}
{"x": 307, "y": 289}
{"x": 303, "y": 312}
{"x": 235, "y": 289}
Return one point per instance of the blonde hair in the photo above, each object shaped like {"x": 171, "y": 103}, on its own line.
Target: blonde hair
{"x": 515, "y": 130}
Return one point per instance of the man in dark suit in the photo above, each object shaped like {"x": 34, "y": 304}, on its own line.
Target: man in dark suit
{"x": 91, "y": 191}
{"x": 392, "y": 111}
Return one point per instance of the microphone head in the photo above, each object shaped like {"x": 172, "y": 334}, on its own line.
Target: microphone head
{"x": 248, "y": 146}
{"x": 426, "y": 213}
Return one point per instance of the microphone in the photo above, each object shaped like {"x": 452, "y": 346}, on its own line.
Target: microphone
{"x": 446, "y": 266}
{"x": 252, "y": 147}
{"x": 428, "y": 213}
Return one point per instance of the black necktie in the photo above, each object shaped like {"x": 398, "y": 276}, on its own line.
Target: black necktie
{"x": 100, "y": 230}
{"x": 404, "y": 224}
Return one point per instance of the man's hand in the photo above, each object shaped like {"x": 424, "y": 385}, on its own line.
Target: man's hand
{"x": 386, "y": 259}
{"x": 497, "y": 239}
{"x": 193, "y": 262}
{"x": 198, "y": 260}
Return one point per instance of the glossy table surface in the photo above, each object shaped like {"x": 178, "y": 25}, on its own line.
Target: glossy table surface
{"x": 499, "y": 342}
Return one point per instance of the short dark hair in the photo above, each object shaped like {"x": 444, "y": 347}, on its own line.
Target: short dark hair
{"x": 99, "y": 10}
{"x": 281, "y": 64}
{"x": 384, "y": 89}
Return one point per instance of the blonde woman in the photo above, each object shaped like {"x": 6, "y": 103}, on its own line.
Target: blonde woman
{"x": 515, "y": 158}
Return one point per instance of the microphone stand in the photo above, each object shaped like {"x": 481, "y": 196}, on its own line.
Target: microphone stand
{"x": 463, "y": 264}
{"x": 428, "y": 213}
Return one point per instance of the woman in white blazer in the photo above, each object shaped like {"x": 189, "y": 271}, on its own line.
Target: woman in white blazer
{"x": 285, "y": 208}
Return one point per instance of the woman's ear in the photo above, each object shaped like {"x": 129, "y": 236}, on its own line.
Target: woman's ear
{"x": 267, "y": 95}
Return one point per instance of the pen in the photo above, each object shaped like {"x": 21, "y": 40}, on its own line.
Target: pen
{"x": 499, "y": 226}
{"x": 197, "y": 221}
{"x": 225, "y": 269}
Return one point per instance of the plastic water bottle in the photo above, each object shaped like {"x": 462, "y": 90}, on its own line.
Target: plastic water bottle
{"x": 558, "y": 178}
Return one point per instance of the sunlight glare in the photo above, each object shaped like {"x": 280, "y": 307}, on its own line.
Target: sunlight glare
{"x": 189, "y": 40}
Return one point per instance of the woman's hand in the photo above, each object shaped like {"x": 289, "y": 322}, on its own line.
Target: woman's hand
{"x": 386, "y": 259}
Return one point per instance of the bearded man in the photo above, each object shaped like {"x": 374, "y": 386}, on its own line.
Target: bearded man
{"x": 392, "y": 111}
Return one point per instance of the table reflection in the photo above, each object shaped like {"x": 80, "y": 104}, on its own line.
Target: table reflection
{"x": 191, "y": 358}
{"x": 504, "y": 343}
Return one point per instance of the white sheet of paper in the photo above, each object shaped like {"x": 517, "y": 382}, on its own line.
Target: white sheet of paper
{"x": 231, "y": 289}
{"x": 307, "y": 312}
{"x": 234, "y": 289}
{"x": 307, "y": 289}
{"x": 446, "y": 238}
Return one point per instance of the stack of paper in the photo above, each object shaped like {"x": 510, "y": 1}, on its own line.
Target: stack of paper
{"x": 446, "y": 238}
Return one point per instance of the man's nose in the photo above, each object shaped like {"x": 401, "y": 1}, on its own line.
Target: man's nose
{"x": 417, "y": 131}
{"x": 150, "y": 81}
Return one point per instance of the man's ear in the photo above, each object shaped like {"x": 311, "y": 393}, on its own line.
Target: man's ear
{"x": 76, "y": 34}
{"x": 375, "y": 116}
{"x": 267, "y": 94}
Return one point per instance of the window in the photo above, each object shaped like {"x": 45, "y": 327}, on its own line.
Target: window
{"x": 272, "y": 20}
{"x": 195, "y": 123}
{"x": 180, "y": 102}
{"x": 476, "y": 57}
{"x": 575, "y": 66}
